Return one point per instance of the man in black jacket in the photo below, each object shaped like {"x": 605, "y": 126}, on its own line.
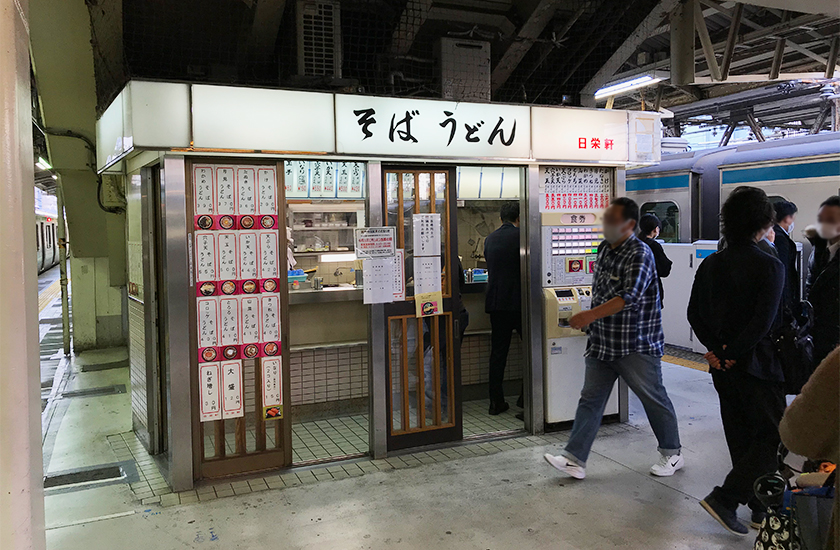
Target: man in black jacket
{"x": 503, "y": 300}
{"x": 649, "y": 228}
{"x": 822, "y": 287}
{"x": 786, "y": 249}
{"x": 733, "y": 305}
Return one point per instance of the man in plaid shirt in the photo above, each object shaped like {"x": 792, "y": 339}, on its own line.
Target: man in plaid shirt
{"x": 626, "y": 340}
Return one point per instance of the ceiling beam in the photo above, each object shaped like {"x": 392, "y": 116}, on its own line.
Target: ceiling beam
{"x": 706, "y": 42}
{"x": 413, "y": 16}
{"x": 806, "y": 52}
{"x": 730, "y": 13}
{"x": 266, "y": 25}
{"x": 530, "y": 31}
{"x": 833, "y": 53}
{"x": 760, "y": 77}
{"x": 731, "y": 39}
{"x": 642, "y": 32}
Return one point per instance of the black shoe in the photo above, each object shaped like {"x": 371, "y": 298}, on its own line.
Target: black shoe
{"x": 757, "y": 518}
{"x": 520, "y": 402}
{"x": 726, "y": 517}
{"x": 520, "y": 416}
{"x": 498, "y": 408}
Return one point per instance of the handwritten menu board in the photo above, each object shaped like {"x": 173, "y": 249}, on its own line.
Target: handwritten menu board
{"x": 574, "y": 188}
{"x": 325, "y": 180}
{"x": 238, "y": 280}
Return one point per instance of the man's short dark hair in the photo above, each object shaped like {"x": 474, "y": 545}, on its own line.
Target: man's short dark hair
{"x": 784, "y": 209}
{"x": 510, "y": 211}
{"x": 746, "y": 211}
{"x": 629, "y": 208}
{"x": 833, "y": 200}
{"x": 648, "y": 223}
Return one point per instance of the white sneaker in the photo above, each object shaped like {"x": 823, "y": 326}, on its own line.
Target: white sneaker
{"x": 565, "y": 466}
{"x": 667, "y": 465}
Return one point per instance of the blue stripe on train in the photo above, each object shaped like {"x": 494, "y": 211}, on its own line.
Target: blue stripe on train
{"x": 662, "y": 182}
{"x": 786, "y": 172}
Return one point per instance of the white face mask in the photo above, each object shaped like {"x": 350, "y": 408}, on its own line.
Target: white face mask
{"x": 614, "y": 233}
{"x": 827, "y": 231}
{"x": 790, "y": 229}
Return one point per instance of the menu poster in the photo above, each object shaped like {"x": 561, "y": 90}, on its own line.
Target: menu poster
{"x": 248, "y": 249}
{"x": 379, "y": 280}
{"x": 428, "y": 304}
{"x": 270, "y": 309}
{"x": 205, "y": 256}
{"x": 208, "y": 322}
{"x": 357, "y": 179}
{"x": 272, "y": 390}
{"x": 269, "y": 255}
{"x": 246, "y": 192}
{"x": 211, "y": 396}
{"x": 233, "y": 404}
{"x": 343, "y": 178}
{"x": 228, "y": 260}
{"x": 375, "y": 242}
{"x": 203, "y": 190}
{"x": 329, "y": 179}
{"x": 250, "y": 310}
{"x": 426, "y": 234}
{"x": 317, "y": 183}
{"x": 288, "y": 176}
{"x": 225, "y": 201}
{"x": 229, "y": 318}
{"x": 399, "y": 276}
{"x": 427, "y": 274}
{"x": 301, "y": 178}
{"x": 268, "y": 190}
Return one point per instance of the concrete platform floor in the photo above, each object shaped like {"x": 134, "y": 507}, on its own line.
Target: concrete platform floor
{"x": 510, "y": 499}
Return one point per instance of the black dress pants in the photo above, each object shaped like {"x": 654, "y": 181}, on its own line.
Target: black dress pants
{"x": 502, "y": 324}
{"x": 750, "y": 409}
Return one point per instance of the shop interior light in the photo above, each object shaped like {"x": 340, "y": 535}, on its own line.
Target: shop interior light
{"x": 627, "y": 85}
{"x": 42, "y": 164}
{"x": 338, "y": 257}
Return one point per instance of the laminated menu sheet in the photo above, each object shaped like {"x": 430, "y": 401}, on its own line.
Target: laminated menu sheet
{"x": 272, "y": 390}
{"x": 251, "y": 321}
{"x": 204, "y": 200}
{"x": 426, "y": 234}
{"x": 233, "y": 400}
{"x": 399, "y": 276}
{"x": 225, "y": 190}
{"x": 205, "y": 256}
{"x": 211, "y": 396}
{"x": 228, "y": 260}
{"x": 208, "y": 322}
{"x": 229, "y": 321}
{"x": 427, "y": 274}
{"x": 268, "y": 190}
{"x": 378, "y": 280}
{"x": 270, "y": 309}
{"x": 248, "y": 252}
{"x": 246, "y": 191}
{"x": 269, "y": 255}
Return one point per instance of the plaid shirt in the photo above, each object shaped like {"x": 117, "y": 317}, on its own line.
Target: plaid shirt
{"x": 628, "y": 271}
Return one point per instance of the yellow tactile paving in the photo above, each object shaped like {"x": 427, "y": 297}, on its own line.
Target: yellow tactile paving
{"x": 46, "y": 296}
{"x": 686, "y": 363}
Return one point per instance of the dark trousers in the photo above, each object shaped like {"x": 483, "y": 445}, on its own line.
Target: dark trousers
{"x": 502, "y": 324}
{"x": 750, "y": 409}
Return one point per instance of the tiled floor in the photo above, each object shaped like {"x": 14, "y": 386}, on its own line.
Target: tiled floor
{"x": 478, "y": 422}
{"x": 151, "y": 485}
{"x": 319, "y": 439}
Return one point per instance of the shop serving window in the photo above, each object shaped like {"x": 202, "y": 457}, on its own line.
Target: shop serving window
{"x": 669, "y": 214}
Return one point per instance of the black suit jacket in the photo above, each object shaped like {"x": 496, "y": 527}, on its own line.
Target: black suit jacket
{"x": 786, "y": 249}
{"x": 663, "y": 264}
{"x": 501, "y": 251}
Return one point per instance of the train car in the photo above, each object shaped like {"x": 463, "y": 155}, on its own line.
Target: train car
{"x": 47, "y": 245}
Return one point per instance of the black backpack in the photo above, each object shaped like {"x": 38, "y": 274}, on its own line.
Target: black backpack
{"x": 795, "y": 348}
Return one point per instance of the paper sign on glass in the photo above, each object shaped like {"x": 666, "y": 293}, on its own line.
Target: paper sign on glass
{"x": 229, "y": 317}
{"x": 228, "y": 259}
{"x": 248, "y": 252}
{"x": 270, "y": 307}
{"x": 317, "y": 183}
{"x": 268, "y": 190}
{"x": 426, "y": 234}
{"x": 211, "y": 396}
{"x": 399, "y": 276}
{"x": 298, "y": 184}
{"x": 208, "y": 322}
{"x": 288, "y": 176}
{"x": 233, "y": 403}
{"x": 204, "y": 198}
{"x": 205, "y": 256}
{"x": 428, "y": 304}
{"x": 343, "y": 169}
{"x": 375, "y": 242}
{"x": 379, "y": 280}
{"x": 246, "y": 191}
{"x": 272, "y": 390}
{"x": 269, "y": 255}
{"x": 427, "y": 275}
{"x": 225, "y": 194}
{"x": 329, "y": 180}
{"x": 250, "y": 308}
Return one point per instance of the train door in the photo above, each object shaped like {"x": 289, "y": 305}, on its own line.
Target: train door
{"x": 424, "y": 378}
{"x": 42, "y": 258}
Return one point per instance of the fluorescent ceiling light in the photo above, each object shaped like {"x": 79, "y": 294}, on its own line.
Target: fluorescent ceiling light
{"x": 627, "y": 85}
{"x": 42, "y": 164}
{"x": 340, "y": 257}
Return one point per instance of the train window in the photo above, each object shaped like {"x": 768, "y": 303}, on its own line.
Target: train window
{"x": 49, "y": 238}
{"x": 669, "y": 214}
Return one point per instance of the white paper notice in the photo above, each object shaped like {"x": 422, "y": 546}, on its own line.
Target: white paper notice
{"x": 375, "y": 242}
{"x": 246, "y": 191}
{"x": 270, "y": 317}
{"x": 268, "y": 190}
{"x": 228, "y": 260}
{"x": 272, "y": 382}
{"x": 426, "y": 234}
{"x": 316, "y": 186}
{"x": 225, "y": 201}
{"x": 208, "y": 322}
{"x": 203, "y": 193}
{"x": 343, "y": 169}
{"x": 269, "y": 255}
{"x": 233, "y": 404}
{"x": 229, "y": 317}
{"x": 211, "y": 396}
{"x": 399, "y": 276}
{"x": 250, "y": 307}
{"x": 205, "y": 256}
{"x": 427, "y": 274}
{"x": 248, "y": 248}
{"x": 379, "y": 280}
{"x": 329, "y": 180}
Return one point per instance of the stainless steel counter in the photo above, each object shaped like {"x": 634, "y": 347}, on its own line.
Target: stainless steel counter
{"x": 341, "y": 293}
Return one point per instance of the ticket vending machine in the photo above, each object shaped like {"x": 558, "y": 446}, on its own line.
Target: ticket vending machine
{"x": 569, "y": 245}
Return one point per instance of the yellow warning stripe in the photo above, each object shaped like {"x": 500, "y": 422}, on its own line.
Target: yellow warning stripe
{"x": 48, "y": 295}
{"x": 686, "y": 363}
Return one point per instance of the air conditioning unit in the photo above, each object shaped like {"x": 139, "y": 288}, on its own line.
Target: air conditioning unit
{"x": 465, "y": 69}
{"x": 319, "y": 38}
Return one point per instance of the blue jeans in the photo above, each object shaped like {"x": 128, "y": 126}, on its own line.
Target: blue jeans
{"x": 643, "y": 373}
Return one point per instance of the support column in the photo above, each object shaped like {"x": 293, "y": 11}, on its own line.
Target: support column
{"x": 682, "y": 44}
{"x": 21, "y": 463}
